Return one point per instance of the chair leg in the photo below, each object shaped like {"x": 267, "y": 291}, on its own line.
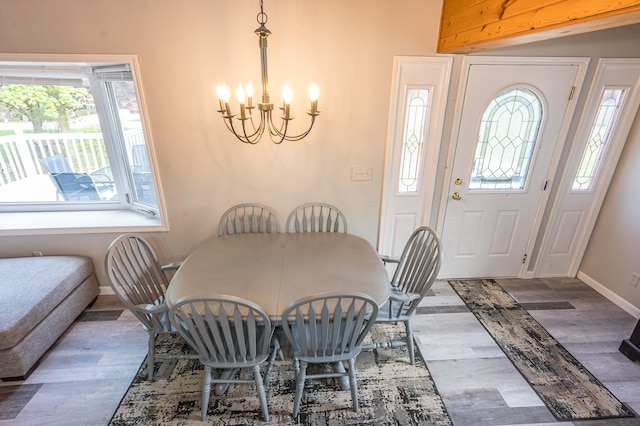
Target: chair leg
{"x": 262, "y": 393}
{"x": 353, "y": 384}
{"x": 407, "y": 325}
{"x": 206, "y": 392}
{"x": 301, "y": 376}
{"x": 151, "y": 356}
{"x": 272, "y": 358}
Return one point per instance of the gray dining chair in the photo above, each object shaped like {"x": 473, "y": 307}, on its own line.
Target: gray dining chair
{"x": 327, "y": 328}
{"x": 415, "y": 273}
{"x": 316, "y": 217}
{"x": 228, "y": 333}
{"x": 249, "y": 218}
{"x": 139, "y": 281}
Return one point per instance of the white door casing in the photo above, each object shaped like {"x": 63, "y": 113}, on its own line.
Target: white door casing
{"x": 403, "y": 211}
{"x": 491, "y": 232}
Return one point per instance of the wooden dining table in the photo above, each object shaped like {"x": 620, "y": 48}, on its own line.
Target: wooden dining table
{"x": 273, "y": 270}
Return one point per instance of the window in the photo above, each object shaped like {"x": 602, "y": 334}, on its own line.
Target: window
{"x": 413, "y": 139}
{"x": 506, "y": 138}
{"x": 72, "y": 138}
{"x": 601, "y": 128}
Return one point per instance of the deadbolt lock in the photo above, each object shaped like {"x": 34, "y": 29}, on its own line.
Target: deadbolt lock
{"x": 458, "y": 181}
{"x": 456, "y": 196}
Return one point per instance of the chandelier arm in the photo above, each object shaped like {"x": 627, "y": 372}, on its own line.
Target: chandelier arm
{"x": 252, "y": 139}
{"x": 282, "y": 132}
{"x": 302, "y": 135}
{"x": 278, "y": 132}
{"x": 276, "y": 135}
{"x": 253, "y": 127}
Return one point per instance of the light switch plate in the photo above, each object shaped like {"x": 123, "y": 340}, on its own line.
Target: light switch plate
{"x": 361, "y": 173}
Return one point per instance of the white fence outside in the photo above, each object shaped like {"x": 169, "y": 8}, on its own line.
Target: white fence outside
{"x": 85, "y": 152}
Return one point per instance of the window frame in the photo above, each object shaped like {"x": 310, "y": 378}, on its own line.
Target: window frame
{"x": 122, "y": 213}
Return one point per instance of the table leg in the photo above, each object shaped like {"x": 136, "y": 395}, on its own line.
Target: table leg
{"x": 343, "y": 381}
{"x": 221, "y": 388}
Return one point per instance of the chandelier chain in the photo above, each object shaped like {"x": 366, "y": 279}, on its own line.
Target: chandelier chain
{"x": 262, "y": 17}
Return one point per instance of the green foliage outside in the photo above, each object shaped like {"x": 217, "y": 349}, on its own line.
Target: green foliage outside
{"x": 39, "y": 104}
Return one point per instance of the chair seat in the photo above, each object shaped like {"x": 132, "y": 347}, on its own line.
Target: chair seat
{"x": 397, "y": 307}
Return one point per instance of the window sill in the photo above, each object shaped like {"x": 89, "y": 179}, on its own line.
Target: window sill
{"x": 77, "y": 222}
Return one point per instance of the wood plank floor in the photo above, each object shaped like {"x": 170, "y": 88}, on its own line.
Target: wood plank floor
{"x": 81, "y": 380}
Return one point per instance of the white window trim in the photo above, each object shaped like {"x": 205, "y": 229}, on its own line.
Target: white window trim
{"x": 104, "y": 218}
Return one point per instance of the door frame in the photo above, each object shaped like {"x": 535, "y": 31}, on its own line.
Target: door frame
{"x": 582, "y": 63}
{"x": 433, "y": 72}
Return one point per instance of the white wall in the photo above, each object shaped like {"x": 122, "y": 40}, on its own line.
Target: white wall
{"x": 186, "y": 47}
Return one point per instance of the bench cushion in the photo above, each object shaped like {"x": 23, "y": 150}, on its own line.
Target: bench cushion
{"x": 31, "y": 287}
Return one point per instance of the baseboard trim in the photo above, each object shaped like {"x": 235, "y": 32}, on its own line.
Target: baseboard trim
{"x": 105, "y": 290}
{"x": 623, "y": 304}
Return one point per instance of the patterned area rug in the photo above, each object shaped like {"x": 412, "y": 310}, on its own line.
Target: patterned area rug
{"x": 391, "y": 392}
{"x": 566, "y": 387}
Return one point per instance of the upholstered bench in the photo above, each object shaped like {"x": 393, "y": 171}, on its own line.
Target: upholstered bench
{"x": 39, "y": 299}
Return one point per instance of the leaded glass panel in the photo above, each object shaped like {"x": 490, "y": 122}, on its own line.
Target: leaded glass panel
{"x": 598, "y": 139}
{"x": 415, "y": 123}
{"x": 506, "y": 139}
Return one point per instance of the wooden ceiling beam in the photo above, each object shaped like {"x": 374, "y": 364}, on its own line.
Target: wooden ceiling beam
{"x": 475, "y": 25}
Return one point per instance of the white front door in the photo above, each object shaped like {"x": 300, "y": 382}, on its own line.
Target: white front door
{"x": 510, "y": 129}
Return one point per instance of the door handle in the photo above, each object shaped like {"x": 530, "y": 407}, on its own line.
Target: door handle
{"x": 456, "y": 196}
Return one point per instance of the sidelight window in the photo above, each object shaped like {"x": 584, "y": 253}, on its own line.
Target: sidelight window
{"x": 597, "y": 142}
{"x": 415, "y": 123}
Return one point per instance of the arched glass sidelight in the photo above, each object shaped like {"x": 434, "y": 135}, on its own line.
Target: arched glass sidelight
{"x": 506, "y": 140}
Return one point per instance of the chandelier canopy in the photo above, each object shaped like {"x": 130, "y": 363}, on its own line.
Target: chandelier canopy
{"x": 244, "y": 128}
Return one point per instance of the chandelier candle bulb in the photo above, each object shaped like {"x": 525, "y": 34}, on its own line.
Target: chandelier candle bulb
{"x": 313, "y": 95}
{"x": 286, "y": 95}
{"x": 224, "y": 95}
{"x": 220, "y": 92}
{"x": 241, "y": 95}
{"x": 249, "y": 91}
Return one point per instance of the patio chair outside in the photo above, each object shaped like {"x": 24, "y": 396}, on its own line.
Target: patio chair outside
{"x": 71, "y": 186}
{"x": 56, "y": 164}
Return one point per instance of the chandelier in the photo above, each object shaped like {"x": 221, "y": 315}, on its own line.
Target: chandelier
{"x": 244, "y": 127}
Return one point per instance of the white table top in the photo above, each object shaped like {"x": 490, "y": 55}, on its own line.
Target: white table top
{"x": 273, "y": 270}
